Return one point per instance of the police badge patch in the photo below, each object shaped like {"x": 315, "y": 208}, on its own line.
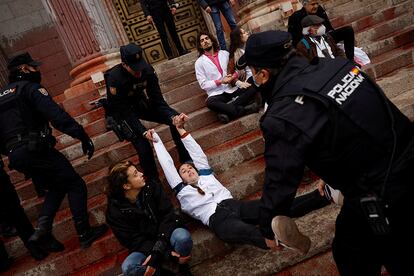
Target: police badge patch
{"x": 43, "y": 91}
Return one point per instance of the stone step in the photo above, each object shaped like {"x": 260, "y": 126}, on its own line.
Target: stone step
{"x": 336, "y": 9}
{"x": 405, "y": 102}
{"x": 79, "y": 103}
{"x": 397, "y": 83}
{"x": 381, "y": 15}
{"x": 206, "y": 244}
{"x": 225, "y": 150}
{"x": 110, "y": 265}
{"x": 320, "y": 264}
{"x": 249, "y": 260}
{"x": 379, "y": 28}
{"x": 108, "y": 140}
{"x": 68, "y": 261}
{"x": 94, "y": 121}
{"x": 392, "y": 41}
{"x": 391, "y": 61}
{"x": 172, "y": 68}
{"x": 342, "y": 15}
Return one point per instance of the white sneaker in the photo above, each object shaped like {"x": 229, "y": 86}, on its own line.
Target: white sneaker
{"x": 333, "y": 195}
{"x": 288, "y": 235}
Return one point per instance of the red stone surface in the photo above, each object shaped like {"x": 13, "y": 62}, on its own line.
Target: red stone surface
{"x": 43, "y": 43}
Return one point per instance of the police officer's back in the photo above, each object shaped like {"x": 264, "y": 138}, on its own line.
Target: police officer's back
{"x": 334, "y": 119}
{"x": 26, "y": 109}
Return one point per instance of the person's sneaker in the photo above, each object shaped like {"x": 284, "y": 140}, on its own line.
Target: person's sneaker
{"x": 223, "y": 118}
{"x": 91, "y": 235}
{"x": 36, "y": 251}
{"x": 333, "y": 195}
{"x": 288, "y": 235}
{"x": 252, "y": 108}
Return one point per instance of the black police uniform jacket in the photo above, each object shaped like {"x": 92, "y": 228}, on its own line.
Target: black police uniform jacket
{"x": 295, "y": 26}
{"x": 139, "y": 226}
{"x": 27, "y": 106}
{"x": 128, "y": 94}
{"x": 309, "y": 130}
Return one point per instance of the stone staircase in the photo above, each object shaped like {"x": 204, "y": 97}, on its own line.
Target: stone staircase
{"x": 384, "y": 29}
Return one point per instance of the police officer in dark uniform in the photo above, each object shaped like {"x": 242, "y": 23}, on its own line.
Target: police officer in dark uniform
{"x": 334, "y": 119}
{"x": 161, "y": 13}
{"x": 133, "y": 93}
{"x": 26, "y": 109}
{"x": 14, "y": 214}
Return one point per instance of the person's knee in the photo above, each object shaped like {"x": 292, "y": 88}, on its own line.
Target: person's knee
{"x": 132, "y": 264}
{"x": 182, "y": 241}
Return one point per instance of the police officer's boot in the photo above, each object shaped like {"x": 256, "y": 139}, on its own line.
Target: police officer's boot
{"x": 88, "y": 234}
{"x": 5, "y": 260}
{"x": 43, "y": 236}
{"x": 36, "y": 251}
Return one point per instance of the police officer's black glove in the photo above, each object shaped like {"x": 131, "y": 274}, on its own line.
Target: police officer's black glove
{"x": 88, "y": 147}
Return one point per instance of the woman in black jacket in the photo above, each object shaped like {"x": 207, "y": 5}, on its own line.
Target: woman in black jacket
{"x": 143, "y": 220}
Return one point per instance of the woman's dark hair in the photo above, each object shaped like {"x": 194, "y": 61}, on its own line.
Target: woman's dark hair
{"x": 200, "y": 49}
{"x": 117, "y": 177}
{"x": 235, "y": 41}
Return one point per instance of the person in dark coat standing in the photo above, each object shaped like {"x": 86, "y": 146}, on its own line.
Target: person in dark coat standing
{"x": 144, "y": 221}
{"x": 162, "y": 12}
{"x": 26, "y": 109}
{"x": 345, "y": 34}
{"x": 333, "y": 118}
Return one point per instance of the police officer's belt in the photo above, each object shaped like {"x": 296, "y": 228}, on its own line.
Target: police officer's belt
{"x": 16, "y": 142}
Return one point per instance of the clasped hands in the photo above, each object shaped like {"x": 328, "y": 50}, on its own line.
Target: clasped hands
{"x": 178, "y": 121}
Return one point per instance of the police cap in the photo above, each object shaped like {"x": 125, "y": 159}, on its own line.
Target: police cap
{"x": 131, "y": 55}
{"x": 310, "y": 20}
{"x": 267, "y": 48}
{"x": 20, "y": 59}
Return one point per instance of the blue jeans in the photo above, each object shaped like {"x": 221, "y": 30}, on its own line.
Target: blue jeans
{"x": 181, "y": 243}
{"x": 227, "y": 12}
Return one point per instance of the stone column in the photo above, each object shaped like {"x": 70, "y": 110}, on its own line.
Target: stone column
{"x": 91, "y": 33}
{"x": 263, "y": 15}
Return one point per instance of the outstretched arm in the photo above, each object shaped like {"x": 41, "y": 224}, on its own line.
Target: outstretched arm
{"x": 166, "y": 162}
{"x": 196, "y": 152}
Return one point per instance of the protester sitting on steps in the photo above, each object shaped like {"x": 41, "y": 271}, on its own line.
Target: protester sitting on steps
{"x": 203, "y": 197}
{"x": 345, "y": 34}
{"x": 211, "y": 72}
{"x": 316, "y": 43}
{"x": 144, "y": 221}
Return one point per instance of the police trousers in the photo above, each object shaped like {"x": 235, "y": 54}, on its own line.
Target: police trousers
{"x": 161, "y": 16}
{"x": 357, "y": 251}
{"x": 53, "y": 167}
{"x": 11, "y": 210}
{"x": 236, "y": 221}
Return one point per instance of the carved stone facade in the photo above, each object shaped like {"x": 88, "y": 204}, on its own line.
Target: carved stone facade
{"x": 188, "y": 20}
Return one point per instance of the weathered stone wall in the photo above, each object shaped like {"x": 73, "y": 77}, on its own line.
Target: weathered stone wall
{"x": 26, "y": 26}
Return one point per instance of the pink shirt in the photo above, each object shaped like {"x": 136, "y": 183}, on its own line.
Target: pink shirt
{"x": 214, "y": 59}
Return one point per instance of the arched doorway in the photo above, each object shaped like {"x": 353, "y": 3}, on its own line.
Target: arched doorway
{"x": 189, "y": 22}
